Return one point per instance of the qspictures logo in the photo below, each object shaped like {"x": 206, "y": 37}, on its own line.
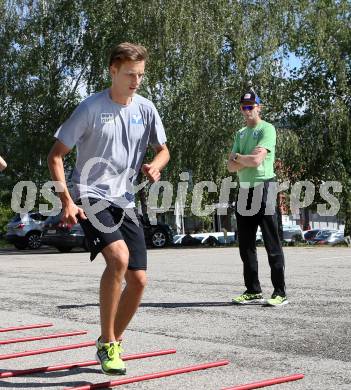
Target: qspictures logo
{"x": 163, "y": 196}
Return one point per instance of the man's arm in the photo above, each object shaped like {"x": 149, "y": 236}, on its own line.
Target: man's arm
{"x": 233, "y": 165}
{"x": 153, "y": 170}
{"x": 254, "y": 159}
{"x": 55, "y": 163}
{"x": 3, "y": 164}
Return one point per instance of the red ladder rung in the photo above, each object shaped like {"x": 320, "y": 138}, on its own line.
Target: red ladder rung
{"x": 67, "y": 366}
{"x": 23, "y": 327}
{"x": 44, "y": 337}
{"x": 146, "y": 377}
{"x": 46, "y": 350}
{"x": 267, "y": 382}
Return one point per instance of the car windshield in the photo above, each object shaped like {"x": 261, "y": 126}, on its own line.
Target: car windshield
{"x": 311, "y": 233}
{"x": 38, "y": 217}
{"x": 54, "y": 219}
{"x": 324, "y": 234}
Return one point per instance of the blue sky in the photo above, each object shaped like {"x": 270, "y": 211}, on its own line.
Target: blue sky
{"x": 292, "y": 62}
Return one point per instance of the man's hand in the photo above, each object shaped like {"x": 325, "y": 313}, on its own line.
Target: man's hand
{"x": 254, "y": 159}
{"x": 259, "y": 150}
{"x": 234, "y": 165}
{"x": 3, "y": 164}
{"x": 70, "y": 213}
{"x": 152, "y": 173}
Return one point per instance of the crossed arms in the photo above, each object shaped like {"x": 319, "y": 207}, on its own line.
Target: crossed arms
{"x": 244, "y": 161}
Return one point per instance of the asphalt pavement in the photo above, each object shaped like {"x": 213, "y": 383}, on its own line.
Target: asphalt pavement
{"x": 187, "y": 307}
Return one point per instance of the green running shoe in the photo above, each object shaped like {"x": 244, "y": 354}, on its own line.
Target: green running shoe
{"x": 109, "y": 356}
{"x": 248, "y": 299}
{"x": 277, "y": 300}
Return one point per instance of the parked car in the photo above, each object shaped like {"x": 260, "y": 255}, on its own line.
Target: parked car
{"x": 65, "y": 237}
{"x": 157, "y": 236}
{"x": 292, "y": 234}
{"x": 336, "y": 238}
{"x": 190, "y": 240}
{"x": 218, "y": 238}
{"x": 328, "y": 237}
{"x": 209, "y": 239}
{"x": 177, "y": 239}
{"x": 25, "y": 231}
{"x": 311, "y": 234}
{"x": 322, "y": 235}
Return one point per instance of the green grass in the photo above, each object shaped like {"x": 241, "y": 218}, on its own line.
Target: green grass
{"x": 4, "y": 244}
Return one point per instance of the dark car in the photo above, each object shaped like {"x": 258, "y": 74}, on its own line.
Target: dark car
{"x": 311, "y": 234}
{"x": 322, "y": 236}
{"x": 65, "y": 237}
{"x": 329, "y": 238}
{"x": 157, "y": 236}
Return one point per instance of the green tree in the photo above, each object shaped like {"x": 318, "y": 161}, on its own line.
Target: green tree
{"x": 203, "y": 54}
{"x": 322, "y": 89}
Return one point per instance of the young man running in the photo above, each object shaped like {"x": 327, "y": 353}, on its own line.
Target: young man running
{"x": 252, "y": 157}
{"x": 112, "y": 130}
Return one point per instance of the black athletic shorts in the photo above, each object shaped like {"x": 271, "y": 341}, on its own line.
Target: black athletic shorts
{"x": 129, "y": 231}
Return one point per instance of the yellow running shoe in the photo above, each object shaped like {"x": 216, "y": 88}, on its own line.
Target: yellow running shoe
{"x": 109, "y": 356}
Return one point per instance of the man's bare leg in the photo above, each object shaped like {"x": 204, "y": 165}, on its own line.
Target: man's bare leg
{"x": 116, "y": 256}
{"x": 130, "y": 300}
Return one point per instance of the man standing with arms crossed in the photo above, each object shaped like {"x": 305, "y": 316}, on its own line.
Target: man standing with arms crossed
{"x": 112, "y": 130}
{"x": 252, "y": 157}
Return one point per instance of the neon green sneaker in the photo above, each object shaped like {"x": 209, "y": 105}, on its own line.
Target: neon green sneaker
{"x": 109, "y": 356}
{"x": 277, "y": 300}
{"x": 248, "y": 299}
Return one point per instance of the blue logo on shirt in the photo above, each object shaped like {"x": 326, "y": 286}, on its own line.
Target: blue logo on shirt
{"x": 130, "y": 197}
{"x": 136, "y": 119}
{"x": 256, "y": 133}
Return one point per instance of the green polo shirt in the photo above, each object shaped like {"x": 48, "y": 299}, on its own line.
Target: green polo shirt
{"x": 246, "y": 139}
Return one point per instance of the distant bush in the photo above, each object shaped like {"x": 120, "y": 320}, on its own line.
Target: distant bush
{"x": 5, "y": 214}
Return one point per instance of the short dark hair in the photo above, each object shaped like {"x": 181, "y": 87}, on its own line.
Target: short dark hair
{"x": 127, "y": 52}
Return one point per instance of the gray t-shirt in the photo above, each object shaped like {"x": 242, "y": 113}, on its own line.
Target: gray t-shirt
{"x": 111, "y": 142}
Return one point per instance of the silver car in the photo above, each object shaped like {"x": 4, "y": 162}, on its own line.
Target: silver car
{"x": 25, "y": 231}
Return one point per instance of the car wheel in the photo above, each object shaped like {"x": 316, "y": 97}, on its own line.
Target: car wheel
{"x": 34, "y": 240}
{"x": 212, "y": 241}
{"x": 159, "y": 239}
{"x": 63, "y": 249}
{"x": 20, "y": 245}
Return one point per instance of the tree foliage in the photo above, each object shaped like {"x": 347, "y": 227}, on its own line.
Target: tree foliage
{"x": 203, "y": 54}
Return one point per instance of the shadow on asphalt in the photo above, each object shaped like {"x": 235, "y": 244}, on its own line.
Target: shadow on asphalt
{"x": 41, "y": 251}
{"x": 77, "y": 306}
{"x": 55, "y": 385}
{"x": 53, "y": 375}
{"x": 166, "y": 305}
{"x": 174, "y": 305}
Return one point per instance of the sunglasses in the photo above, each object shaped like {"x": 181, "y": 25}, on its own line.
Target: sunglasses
{"x": 247, "y": 108}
